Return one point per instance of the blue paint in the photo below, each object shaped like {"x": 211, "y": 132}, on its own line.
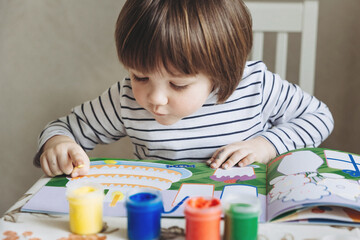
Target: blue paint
{"x": 177, "y": 205}
{"x": 143, "y": 197}
{"x": 352, "y": 173}
{"x": 144, "y": 215}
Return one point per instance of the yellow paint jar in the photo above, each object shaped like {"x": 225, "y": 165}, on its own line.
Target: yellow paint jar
{"x": 85, "y": 207}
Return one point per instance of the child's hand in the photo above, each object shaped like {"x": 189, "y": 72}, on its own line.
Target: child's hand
{"x": 243, "y": 153}
{"x": 61, "y": 154}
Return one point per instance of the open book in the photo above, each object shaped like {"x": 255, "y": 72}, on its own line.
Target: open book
{"x": 307, "y": 185}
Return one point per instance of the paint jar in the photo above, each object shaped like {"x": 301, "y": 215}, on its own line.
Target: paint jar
{"x": 85, "y": 207}
{"x": 144, "y": 208}
{"x": 241, "y": 217}
{"x": 203, "y": 217}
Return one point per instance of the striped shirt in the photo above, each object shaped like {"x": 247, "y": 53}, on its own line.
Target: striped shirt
{"x": 262, "y": 105}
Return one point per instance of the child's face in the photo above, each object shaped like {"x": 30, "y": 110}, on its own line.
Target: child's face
{"x": 170, "y": 98}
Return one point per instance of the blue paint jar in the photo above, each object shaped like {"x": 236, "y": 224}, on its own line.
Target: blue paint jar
{"x": 144, "y": 208}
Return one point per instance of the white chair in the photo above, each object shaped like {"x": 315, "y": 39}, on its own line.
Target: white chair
{"x": 282, "y": 18}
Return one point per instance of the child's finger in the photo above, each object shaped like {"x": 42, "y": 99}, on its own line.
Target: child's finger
{"x": 53, "y": 165}
{"x": 213, "y": 157}
{"x": 208, "y": 162}
{"x": 81, "y": 162}
{"x": 236, "y": 157}
{"x": 65, "y": 162}
{"x": 246, "y": 161}
{"x": 218, "y": 158}
{"x": 80, "y": 170}
{"x": 45, "y": 166}
{"x": 211, "y": 161}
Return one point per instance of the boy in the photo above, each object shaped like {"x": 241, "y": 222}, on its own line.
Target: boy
{"x": 191, "y": 94}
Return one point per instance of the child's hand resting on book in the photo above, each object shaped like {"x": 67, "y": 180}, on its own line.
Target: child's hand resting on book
{"x": 62, "y": 155}
{"x": 243, "y": 153}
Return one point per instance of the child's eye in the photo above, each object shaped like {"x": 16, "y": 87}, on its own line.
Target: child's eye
{"x": 178, "y": 87}
{"x": 139, "y": 79}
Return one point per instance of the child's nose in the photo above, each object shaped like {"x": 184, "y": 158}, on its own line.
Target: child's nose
{"x": 157, "y": 97}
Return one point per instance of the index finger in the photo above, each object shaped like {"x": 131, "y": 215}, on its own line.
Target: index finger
{"x": 218, "y": 158}
{"x": 81, "y": 163}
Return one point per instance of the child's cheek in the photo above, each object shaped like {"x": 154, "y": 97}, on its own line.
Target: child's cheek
{"x": 139, "y": 95}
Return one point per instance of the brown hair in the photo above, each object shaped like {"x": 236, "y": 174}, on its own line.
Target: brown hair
{"x": 212, "y": 37}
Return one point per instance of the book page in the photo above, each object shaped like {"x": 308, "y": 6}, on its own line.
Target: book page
{"x": 324, "y": 215}
{"x": 310, "y": 177}
{"x": 177, "y": 181}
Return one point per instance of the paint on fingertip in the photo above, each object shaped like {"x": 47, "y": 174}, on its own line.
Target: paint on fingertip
{"x": 74, "y": 171}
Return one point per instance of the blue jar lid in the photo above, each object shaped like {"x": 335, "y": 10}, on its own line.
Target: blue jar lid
{"x": 144, "y": 199}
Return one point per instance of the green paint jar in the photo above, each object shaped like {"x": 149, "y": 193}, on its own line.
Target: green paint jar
{"x": 241, "y": 217}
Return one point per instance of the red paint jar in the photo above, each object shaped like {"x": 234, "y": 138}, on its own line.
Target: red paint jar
{"x": 203, "y": 217}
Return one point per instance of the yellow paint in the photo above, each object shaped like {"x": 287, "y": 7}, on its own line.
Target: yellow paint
{"x": 77, "y": 167}
{"x": 85, "y": 208}
{"x": 80, "y": 166}
{"x": 110, "y": 162}
{"x": 117, "y": 196}
{"x": 82, "y": 191}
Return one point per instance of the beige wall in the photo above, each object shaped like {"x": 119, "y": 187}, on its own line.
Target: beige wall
{"x": 57, "y": 54}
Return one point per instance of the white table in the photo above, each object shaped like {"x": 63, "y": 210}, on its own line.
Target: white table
{"x": 36, "y": 226}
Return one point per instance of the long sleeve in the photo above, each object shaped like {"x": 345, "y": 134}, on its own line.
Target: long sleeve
{"x": 293, "y": 118}
{"x": 93, "y": 122}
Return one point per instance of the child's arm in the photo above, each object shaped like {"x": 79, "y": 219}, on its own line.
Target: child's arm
{"x": 243, "y": 153}
{"x": 60, "y": 155}
{"x": 290, "y": 119}
{"x": 93, "y": 122}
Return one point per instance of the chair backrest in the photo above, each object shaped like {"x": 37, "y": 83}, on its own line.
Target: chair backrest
{"x": 282, "y": 18}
